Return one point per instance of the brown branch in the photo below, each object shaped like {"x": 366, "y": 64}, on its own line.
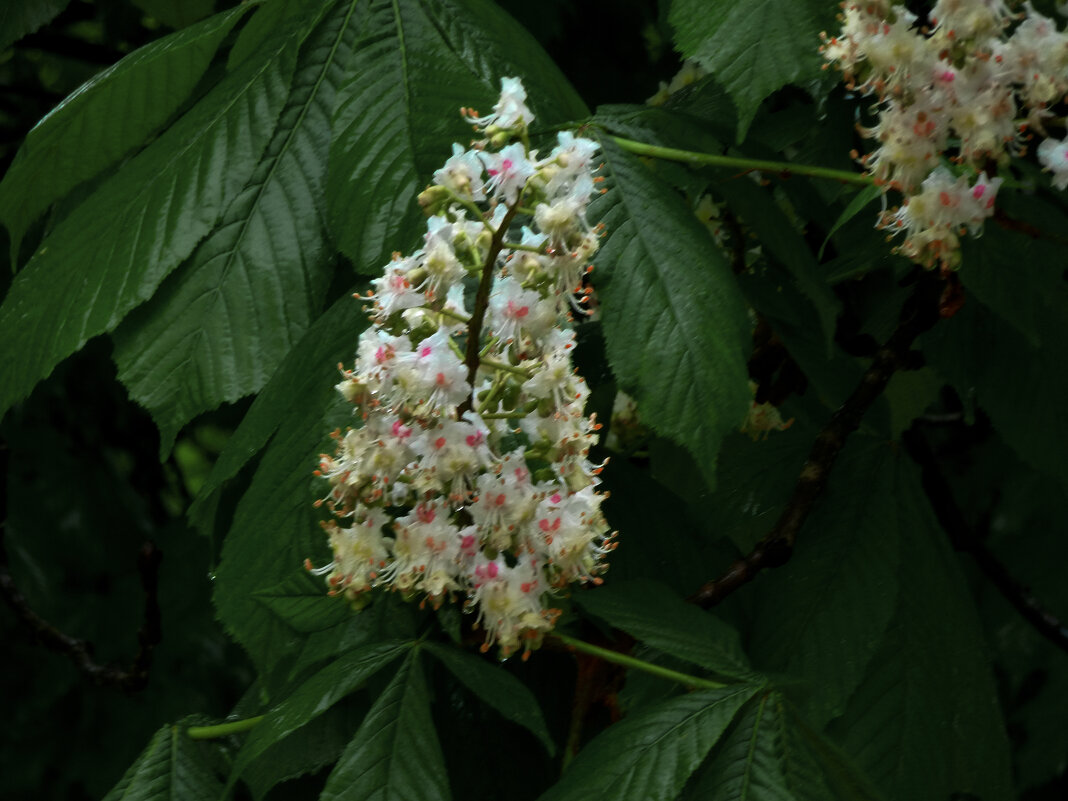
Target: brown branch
{"x": 921, "y": 311}
{"x": 80, "y": 652}
{"x": 970, "y": 540}
{"x": 478, "y": 313}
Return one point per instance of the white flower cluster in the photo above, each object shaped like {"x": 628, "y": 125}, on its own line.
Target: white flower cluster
{"x": 468, "y": 472}
{"x": 954, "y": 82}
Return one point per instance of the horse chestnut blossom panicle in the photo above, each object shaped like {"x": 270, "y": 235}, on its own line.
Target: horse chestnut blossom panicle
{"x": 951, "y": 88}
{"x": 466, "y": 474}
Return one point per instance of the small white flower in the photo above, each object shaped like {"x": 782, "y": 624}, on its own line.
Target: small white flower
{"x": 462, "y": 174}
{"x": 1053, "y": 153}
{"x": 510, "y": 112}
{"x": 509, "y": 170}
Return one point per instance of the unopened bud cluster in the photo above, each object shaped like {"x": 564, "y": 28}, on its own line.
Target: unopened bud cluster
{"x": 951, "y": 88}
{"x": 467, "y": 475}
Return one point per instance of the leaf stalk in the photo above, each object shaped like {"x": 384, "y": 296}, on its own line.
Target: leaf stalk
{"x": 716, "y": 160}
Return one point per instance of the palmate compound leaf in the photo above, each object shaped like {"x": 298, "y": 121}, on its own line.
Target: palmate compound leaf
{"x": 770, "y": 755}
{"x": 172, "y": 767}
{"x": 107, "y": 118}
{"x": 650, "y": 612}
{"x": 316, "y": 695}
{"x": 675, "y": 323}
{"x": 318, "y": 745}
{"x": 498, "y": 688}
{"x": 417, "y": 63}
{"x": 219, "y": 326}
{"x": 752, "y": 47}
{"x": 111, "y": 253}
{"x": 748, "y": 764}
{"x": 651, "y": 754}
{"x": 924, "y": 723}
{"x": 395, "y": 755}
{"x": 823, "y": 620}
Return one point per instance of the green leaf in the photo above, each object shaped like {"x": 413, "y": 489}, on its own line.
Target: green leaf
{"x": 111, "y": 253}
{"x": 807, "y": 752}
{"x": 770, "y": 754}
{"x": 308, "y": 372}
{"x": 315, "y": 696}
{"x": 749, "y": 763}
{"x": 497, "y": 687}
{"x": 755, "y": 480}
{"x": 650, "y": 612}
{"x": 651, "y": 754}
{"x": 925, "y": 723}
{"x": 675, "y": 323}
{"x": 275, "y": 527}
{"x": 859, "y": 202}
{"x": 220, "y": 325}
{"x": 823, "y": 619}
{"x": 990, "y": 363}
{"x": 396, "y": 753}
{"x": 389, "y": 617}
{"x": 752, "y": 47}
{"x": 635, "y": 503}
{"x": 417, "y": 63}
{"x": 777, "y": 235}
{"x": 172, "y": 767}
{"x": 106, "y": 119}
{"x": 794, "y": 321}
{"x": 909, "y": 393}
{"x": 20, "y": 17}
{"x": 1018, "y": 275}
{"x": 301, "y": 601}
{"x": 320, "y": 743}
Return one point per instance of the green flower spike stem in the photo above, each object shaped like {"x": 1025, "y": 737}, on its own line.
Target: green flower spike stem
{"x": 685, "y": 679}
{"x": 715, "y": 160}
{"x": 222, "y": 729}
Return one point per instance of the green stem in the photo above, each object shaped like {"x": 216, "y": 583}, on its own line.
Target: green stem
{"x": 222, "y": 729}
{"x": 474, "y": 209}
{"x": 714, "y": 160}
{"x": 528, "y": 248}
{"x": 460, "y": 318}
{"x": 508, "y": 368}
{"x": 637, "y": 664}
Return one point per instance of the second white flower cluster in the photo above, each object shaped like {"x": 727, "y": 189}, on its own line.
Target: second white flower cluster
{"x": 468, "y": 473}
{"x": 956, "y": 85}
